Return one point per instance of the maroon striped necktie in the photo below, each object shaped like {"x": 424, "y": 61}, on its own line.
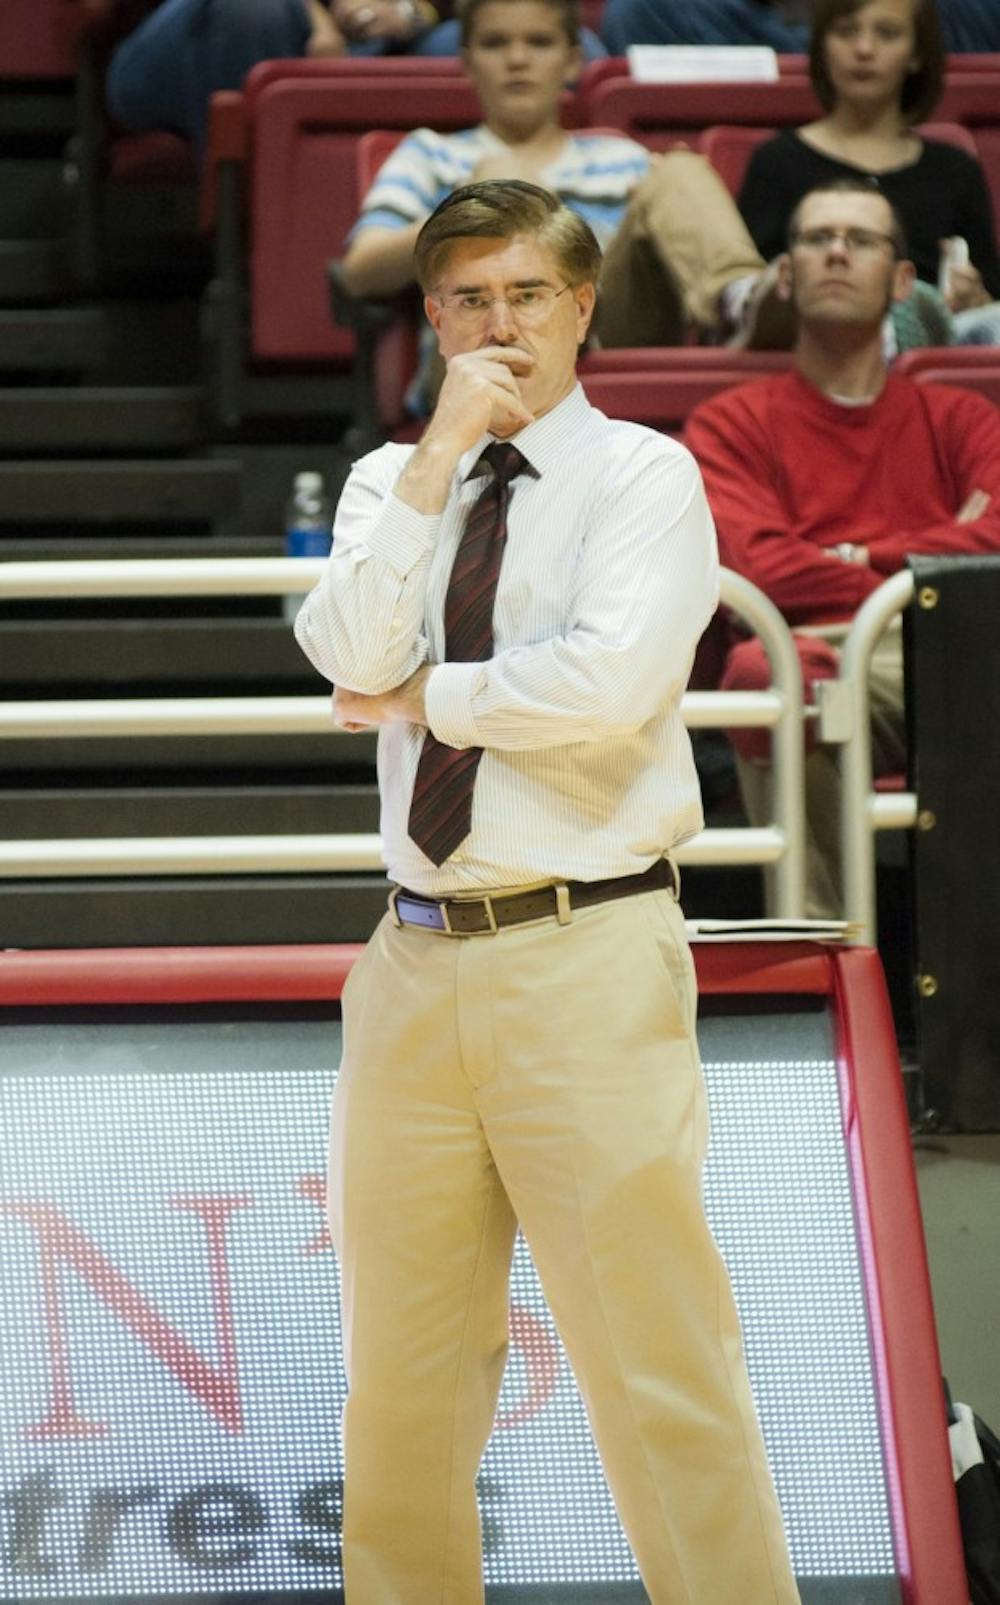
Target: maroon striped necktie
{"x": 441, "y": 810}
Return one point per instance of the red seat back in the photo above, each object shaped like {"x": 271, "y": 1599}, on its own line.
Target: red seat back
{"x": 321, "y": 69}
{"x": 662, "y": 115}
{"x": 972, "y": 98}
{"x": 659, "y": 385}
{"x": 973, "y": 367}
{"x": 305, "y": 195}
{"x": 34, "y": 39}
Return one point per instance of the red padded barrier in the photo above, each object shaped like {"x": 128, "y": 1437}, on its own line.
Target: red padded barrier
{"x": 133, "y": 975}
{"x": 313, "y": 972}
{"x": 925, "y": 1514}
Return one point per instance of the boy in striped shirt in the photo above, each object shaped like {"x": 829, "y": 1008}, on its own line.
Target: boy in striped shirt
{"x": 661, "y": 278}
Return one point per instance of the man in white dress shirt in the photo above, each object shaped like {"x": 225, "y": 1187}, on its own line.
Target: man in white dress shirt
{"x": 520, "y": 1031}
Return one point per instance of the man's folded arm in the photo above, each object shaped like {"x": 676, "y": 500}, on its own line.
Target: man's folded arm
{"x": 969, "y": 432}
{"x": 646, "y": 589}
{"x": 362, "y": 625}
{"x": 807, "y": 583}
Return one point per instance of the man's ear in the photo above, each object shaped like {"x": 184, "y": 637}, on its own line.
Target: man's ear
{"x": 783, "y": 277}
{"x": 903, "y": 280}
{"x": 585, "y": 299}
{"x": 432, "y": 312}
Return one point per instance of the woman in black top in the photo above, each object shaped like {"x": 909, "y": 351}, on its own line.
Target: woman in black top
{"x": 878, "y": 68}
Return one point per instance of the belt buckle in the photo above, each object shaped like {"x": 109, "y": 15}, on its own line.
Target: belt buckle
{"x": 492, "y": 927}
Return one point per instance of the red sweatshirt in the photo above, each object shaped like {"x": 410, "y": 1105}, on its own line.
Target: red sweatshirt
{"x": 789, "y": 472}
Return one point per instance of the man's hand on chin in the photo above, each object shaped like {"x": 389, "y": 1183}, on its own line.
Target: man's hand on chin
{"x": 353, "y": 711}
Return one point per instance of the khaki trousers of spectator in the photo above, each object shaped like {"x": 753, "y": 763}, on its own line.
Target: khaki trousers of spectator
{"x": 547, "y": 1075}
{"x": 681, "y": 241}
{"x": 823, "y": 790}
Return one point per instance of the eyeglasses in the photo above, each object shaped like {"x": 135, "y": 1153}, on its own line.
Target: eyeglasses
{"x": 528, "y": 305}
{"x": 859, "y": 241}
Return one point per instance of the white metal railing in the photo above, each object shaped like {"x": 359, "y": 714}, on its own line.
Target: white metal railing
{"x": 780, "y": 844}
{"x": 863, "y": 810}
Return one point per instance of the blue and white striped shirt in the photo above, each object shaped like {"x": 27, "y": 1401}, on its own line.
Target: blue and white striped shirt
{"x": 594, "y": 174}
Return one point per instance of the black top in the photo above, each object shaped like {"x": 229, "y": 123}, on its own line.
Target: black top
{"x": 942, "y": 193}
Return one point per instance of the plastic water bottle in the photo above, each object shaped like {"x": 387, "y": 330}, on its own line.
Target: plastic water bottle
{"x": 308, "y": 528}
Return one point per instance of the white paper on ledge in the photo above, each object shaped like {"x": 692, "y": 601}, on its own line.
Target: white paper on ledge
{"x": 693, "y": 64}
{"x": 770, "y": 930}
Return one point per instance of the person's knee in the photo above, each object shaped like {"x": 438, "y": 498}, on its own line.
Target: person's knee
{"x": 679, "y": 175}
{"x": 747, "y": 667}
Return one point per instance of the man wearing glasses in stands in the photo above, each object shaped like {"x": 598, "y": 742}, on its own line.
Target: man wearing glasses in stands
{"x": 824, "y": 479}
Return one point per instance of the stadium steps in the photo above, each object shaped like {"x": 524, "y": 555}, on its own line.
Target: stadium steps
{"x": 193, "y": 911}
{"x": 228, "y": 806}
{"x": 51, "y": 339}
{"x": 133, "y": 490}
{"x": 134, "y": 546}
{"x": 215, "y": 650}
{"x": 33, "y": 272}
{"x": 106, "y": 452}
{"x": 99, "y": 418}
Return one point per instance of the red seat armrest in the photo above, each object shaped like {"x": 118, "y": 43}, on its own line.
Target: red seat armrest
{"x": 228, "y": 141}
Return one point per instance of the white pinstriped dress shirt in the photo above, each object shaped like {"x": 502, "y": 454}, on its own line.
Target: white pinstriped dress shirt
{"x": 609, "y": 576}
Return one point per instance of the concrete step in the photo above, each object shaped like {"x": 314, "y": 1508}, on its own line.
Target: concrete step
{"x": 149, "y": 655}
{"x": 204, "y": 911}
{"x": 87, "y": 759}
{"x": 33, "y": 199}
{"x": 41, "y": 339}
{"x": 128, "y": 547}
{"x": 182, "y": 490}
{"x": 32, "y": 272}
{"x": 236, "y": 809}
{"x": 38, "y": 115}
{"x": 99, "y": 418}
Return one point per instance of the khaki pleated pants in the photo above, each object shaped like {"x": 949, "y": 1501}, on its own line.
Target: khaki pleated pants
{"x": 548, "y": 1075}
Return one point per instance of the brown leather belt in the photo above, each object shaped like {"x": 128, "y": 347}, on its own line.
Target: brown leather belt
{"x": 482, "y": 916}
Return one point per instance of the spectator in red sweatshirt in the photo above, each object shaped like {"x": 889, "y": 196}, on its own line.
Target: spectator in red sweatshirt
{"x": 824, "y": 479}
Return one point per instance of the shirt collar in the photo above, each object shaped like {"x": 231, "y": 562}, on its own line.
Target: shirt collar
{"x": 543, "y": 442}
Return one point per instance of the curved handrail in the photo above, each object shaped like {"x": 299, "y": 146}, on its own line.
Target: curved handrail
{"x": 860, "y": 810}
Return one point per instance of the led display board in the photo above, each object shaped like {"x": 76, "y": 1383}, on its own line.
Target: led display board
{"x": 170, "y": 1381}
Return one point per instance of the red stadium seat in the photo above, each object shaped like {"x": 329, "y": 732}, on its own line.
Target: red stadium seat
{"x": 973, "y": 367}
{"x": 286, "y": 154}
{"x": 99, "y": 154}
{"x": 972, "y": 98}
{"x": 662, "y": 115}
{"x": 306, "y": 197}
